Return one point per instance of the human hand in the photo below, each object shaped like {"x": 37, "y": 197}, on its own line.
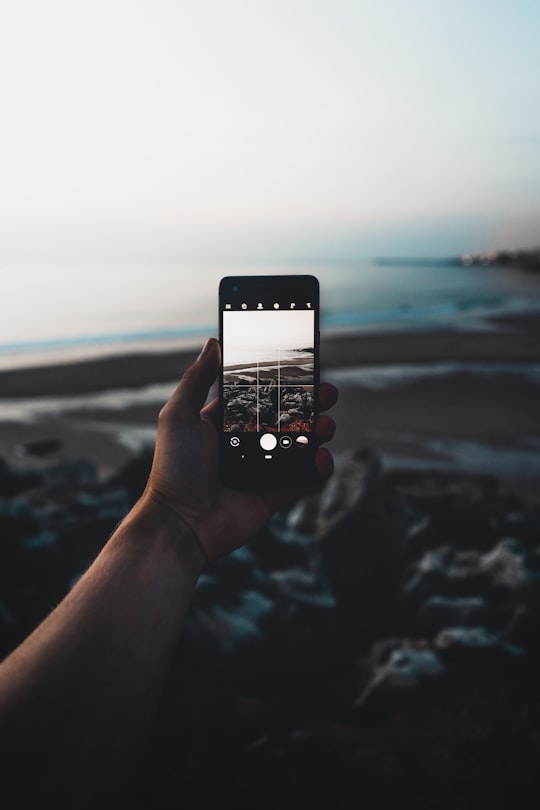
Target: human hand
{"x": 185, "y": 472}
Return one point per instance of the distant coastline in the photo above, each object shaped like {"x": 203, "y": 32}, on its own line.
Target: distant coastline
{"x": 520, "y": 259}
{"x": 416, "y": 294}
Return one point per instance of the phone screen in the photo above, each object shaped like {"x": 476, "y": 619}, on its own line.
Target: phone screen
{"x": 269, "y": 382}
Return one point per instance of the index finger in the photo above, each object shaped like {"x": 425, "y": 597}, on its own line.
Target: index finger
{"x": 328, "y": 396}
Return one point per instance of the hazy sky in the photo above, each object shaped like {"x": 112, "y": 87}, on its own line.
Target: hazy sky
{"x": 158, "y": 130}
{"x": 249, "y": 336}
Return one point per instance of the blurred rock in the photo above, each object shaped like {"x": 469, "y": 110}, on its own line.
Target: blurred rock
{"x": 68, "y": 474}
{"x": 387, "y": 593}
{"x": 451, "y": 588}
{"x": 439, "y": 612}
{"x": 505, "y": 566}
{"x": 17, "y": 521}
{"x": 354, "y": 475}
{"x": 407, "y": 667}
{"x": 40, "y": 448}
{"x": 476, "y": 647}
{"x": 133, "y": 475}
{"x": 266, "y": 622}
{"x": 361, "y": 530}
{"x": 14, "y": 482}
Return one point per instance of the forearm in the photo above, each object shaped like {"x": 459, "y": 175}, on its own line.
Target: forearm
{"x": 81, "y": 690}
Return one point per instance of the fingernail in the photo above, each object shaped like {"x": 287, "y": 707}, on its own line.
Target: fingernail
{"x": 205, "y": 349}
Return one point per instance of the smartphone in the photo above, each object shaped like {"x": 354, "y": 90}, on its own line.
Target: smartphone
{"x": 269, "y": 381}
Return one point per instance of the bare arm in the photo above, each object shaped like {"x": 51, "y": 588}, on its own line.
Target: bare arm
{"x": 78, "y": 696}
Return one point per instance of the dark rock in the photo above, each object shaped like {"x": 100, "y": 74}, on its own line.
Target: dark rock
{"x": 500, "y": 576}
{"x": 369, "y": 571}
{"x": 236, "y": 570}
{"x": 42, "y": 540}
{"x": 40, "y": 448}
{"x": 230, "y": 639}
{"x": 505, "y": 566}
{"x": 455, "y": 510}
{"x": 356, "y": 541}
{"x": 439, "y": 612}
{"x": 71, "y": 473}
{"x": 407, "y": 667}
{"x": 354, "y": 475}
{"x": 523, "y": 627}
{"x": 94, "y": 502}
{"x": 476, "y": 647}
{"x": 281, "y": 547}
{"x": 17, "y": 521}
{"x": 14, "y": 482}
{"x": 133, "y": 475}
{"x": 361, "y": 553}
{"x": 304, "y": 516}
{"x": 278, "y": 621}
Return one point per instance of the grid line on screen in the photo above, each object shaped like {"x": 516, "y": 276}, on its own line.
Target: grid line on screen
{"x": 281, "y": 398}
{"x": 279, "y": 386}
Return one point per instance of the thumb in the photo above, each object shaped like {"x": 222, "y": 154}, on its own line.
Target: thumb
{"x": 194, "y": 385}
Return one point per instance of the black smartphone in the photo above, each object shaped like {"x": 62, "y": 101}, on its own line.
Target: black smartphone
{"x": 269, "y": 381}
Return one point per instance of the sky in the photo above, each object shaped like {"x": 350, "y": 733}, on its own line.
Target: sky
{"x": 162, "y": 131}
{"x": 267, "y": 332}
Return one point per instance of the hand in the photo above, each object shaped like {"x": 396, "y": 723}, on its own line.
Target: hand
{"x": 185, "y": 471}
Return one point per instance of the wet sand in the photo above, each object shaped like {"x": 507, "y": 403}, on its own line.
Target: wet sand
{"x": 465, "y": 400}
{"x": 510, "y": 339}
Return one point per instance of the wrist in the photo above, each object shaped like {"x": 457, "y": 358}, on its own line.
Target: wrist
{"x": 152, "y": 524}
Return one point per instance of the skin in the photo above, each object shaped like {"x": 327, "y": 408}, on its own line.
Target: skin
{"x": 78, "y": 696}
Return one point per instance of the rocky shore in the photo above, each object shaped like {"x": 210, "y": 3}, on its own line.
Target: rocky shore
{"x": 377, "y": 643}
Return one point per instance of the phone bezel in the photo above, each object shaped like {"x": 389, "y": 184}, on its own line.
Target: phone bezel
{"x": 293, "y": 470}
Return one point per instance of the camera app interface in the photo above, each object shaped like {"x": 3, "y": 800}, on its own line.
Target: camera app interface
{"x": 268, "y": 370}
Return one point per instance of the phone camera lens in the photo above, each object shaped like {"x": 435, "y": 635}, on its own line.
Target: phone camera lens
{"x": 235, "y": 288}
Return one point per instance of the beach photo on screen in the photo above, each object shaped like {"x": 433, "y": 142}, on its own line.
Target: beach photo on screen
{"x": 268, "y": 370}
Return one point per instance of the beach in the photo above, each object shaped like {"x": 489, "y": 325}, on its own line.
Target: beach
{"x": 450, "y": 399}
{"x": 375, "y": 630}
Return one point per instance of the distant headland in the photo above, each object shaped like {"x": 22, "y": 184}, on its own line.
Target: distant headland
{"x": 522, "y": 259}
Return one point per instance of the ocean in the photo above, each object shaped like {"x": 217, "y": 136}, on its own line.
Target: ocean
{"x": 60, "y": 313}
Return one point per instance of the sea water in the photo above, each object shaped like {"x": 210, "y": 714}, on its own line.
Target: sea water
{"x": 52, "y": 314}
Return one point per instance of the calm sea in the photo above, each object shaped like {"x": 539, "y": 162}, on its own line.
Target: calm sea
{"x": 51, "y": 314}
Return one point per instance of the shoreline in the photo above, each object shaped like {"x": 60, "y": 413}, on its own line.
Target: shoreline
{"x": 512, "y": 338}
{"x": 473, "y": 410}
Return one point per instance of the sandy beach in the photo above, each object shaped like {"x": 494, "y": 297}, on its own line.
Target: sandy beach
{"x": 450, "y": 399}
